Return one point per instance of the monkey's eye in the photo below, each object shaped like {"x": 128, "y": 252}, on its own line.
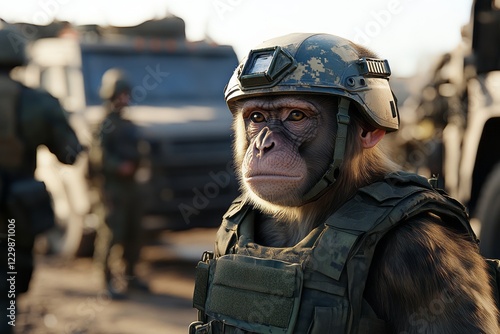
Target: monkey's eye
{"x": 257, "y": 117}
{"x": 296, "y": 115}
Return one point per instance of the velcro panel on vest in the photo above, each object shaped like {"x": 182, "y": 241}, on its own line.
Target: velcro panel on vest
{"x": 331, "y": 251}
{"x": 257, "y": 295}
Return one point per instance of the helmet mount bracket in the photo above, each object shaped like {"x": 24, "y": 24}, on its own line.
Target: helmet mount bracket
{"x": 265, "y": 67}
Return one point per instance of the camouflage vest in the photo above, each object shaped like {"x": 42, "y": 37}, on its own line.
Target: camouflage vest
{"x": 316, "y": 286}
{"x": 11, "y": 147}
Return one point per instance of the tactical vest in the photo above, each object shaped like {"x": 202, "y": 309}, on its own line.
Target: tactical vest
{"x": 11, "y": 147}
{"x": 317, "y": 286}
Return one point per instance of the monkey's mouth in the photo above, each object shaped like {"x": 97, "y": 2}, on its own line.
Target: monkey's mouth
{"x": 273, "y": 177}
{"x": 280, "y": 189}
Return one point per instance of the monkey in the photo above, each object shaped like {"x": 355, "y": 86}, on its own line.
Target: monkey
{"x": 309, "y": 132}
{"x": 425, "y": 278}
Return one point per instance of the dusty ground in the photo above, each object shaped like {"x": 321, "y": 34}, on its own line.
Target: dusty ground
{"x": 69, "y": 296}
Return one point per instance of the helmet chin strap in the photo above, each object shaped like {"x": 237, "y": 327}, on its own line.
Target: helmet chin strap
{"x": 329, "y": 178}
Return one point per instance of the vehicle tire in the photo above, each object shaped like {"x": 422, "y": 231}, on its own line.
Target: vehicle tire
{"x": 488, "y": 213}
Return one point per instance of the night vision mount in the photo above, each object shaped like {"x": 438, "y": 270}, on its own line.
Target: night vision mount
{"x": 266, "y": 67}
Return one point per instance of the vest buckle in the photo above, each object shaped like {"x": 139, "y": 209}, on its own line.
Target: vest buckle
{"x": 214, "y": 326}
{"x": 198, "y": 327}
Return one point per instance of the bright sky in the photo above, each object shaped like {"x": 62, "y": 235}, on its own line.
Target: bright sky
{"x": 409, "y": 33}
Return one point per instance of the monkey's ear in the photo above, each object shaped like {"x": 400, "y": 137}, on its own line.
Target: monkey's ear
{"x": 371, "y": 138}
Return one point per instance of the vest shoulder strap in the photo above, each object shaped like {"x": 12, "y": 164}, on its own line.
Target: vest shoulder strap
{"x": 227, "y": 234}
{"x": 398, "y": 197}
{"x": 352, "y": 233}
{"x": 376, "y": 209}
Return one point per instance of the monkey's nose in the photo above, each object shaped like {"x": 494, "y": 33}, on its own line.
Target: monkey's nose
{"x": 264, "y": 142}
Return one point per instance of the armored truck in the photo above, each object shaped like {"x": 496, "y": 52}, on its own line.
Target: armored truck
{"x": 185, "y": 177}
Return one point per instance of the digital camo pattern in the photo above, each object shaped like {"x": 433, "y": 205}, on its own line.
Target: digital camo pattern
{"x": 325, "y": 64}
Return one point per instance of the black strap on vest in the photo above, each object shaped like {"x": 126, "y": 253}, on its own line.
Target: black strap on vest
{"x": 332, "y": 173}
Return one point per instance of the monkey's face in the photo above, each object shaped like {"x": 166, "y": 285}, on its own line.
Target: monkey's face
{"x": 284, "y": 145}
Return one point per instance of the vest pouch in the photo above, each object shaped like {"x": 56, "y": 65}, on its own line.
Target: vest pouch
{"x": 201, "y": 282}
{"x": 255, "y": 295}
{"x": 330, "y": 319}
{"x": 29, "y": 202}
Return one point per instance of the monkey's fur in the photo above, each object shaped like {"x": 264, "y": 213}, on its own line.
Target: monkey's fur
{"x": 424, "y": 279}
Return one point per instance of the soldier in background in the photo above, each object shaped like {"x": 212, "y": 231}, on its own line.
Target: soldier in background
{"x": 120, "y": 160}
{"x": 28, "y": 118}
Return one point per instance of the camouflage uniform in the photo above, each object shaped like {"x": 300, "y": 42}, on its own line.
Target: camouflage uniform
{"x": 119, "y": 145}
{"x": 36, "y": 119}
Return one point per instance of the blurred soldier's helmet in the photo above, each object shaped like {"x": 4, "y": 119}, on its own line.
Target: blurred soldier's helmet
{"x": 12, "y": 47}
{"x": 318, "y": 64}
{"x": 114, "y": 82}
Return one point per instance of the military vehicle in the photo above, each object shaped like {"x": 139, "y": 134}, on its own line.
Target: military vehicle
{"x": 456, "y": 128}
{"x": 483, "y": 128}
{"x": 185, "y": 177}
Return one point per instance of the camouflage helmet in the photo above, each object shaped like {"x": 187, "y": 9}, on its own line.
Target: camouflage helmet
{"x": 318, "y": 64}
{"x": 113, "y": 83}
{"x": 12, "y": 47}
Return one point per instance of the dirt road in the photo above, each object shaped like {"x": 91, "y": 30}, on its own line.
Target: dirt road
{"x": 68, "y": 297}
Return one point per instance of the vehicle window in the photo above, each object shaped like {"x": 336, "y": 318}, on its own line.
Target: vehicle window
{"x": 159, "y": 78}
